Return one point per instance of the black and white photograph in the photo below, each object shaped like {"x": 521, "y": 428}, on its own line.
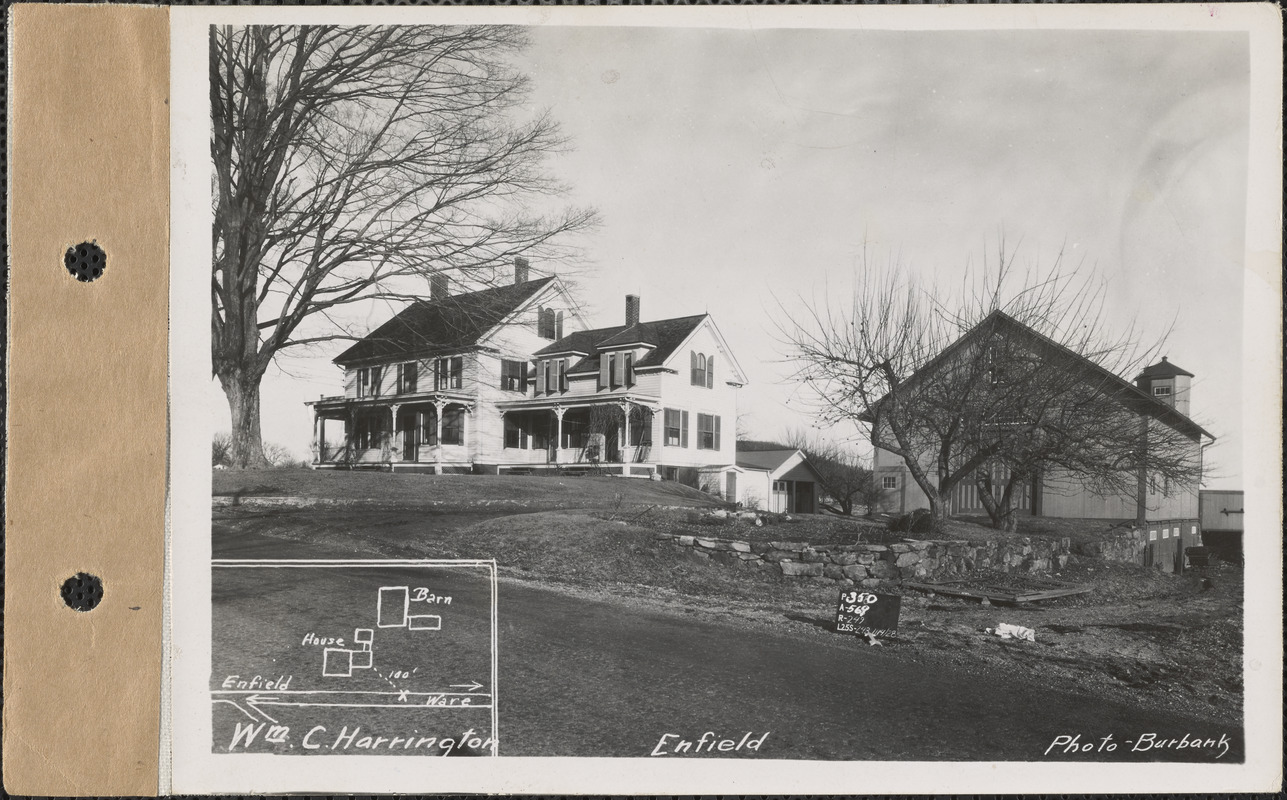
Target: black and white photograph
{"x": 798, "y": 390}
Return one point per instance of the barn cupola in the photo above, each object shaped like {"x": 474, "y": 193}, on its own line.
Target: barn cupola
{"x": 1166, "y": 383}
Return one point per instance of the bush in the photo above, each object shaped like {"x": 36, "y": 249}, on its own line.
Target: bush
{"x": 917, "y": 521}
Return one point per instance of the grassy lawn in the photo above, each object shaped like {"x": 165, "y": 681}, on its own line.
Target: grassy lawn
{"x": 458, "y": 491}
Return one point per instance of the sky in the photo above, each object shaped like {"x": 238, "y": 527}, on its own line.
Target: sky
{"x": 742, "y": 173}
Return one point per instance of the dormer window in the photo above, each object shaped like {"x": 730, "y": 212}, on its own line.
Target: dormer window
{"x": 616, "y": 370}
{"x": 703, "y": 369}
{"x": 552, "y": 376}
{"x": 1161, "y": 391}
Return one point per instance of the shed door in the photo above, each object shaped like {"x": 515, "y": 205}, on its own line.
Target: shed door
{"x": 803, "y": 497}
{"x": 780, "y": 497}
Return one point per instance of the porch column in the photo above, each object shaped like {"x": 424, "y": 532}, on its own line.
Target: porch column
{"x": 627, "y": 455}
{"x": 437, "y": 450}
{"x": 464, "y": 429}
{"x": 318, "y": 453}
{"x": 394, "y": 448}
{"x": 350, "y": 428}
{"x": 558, "y": 431}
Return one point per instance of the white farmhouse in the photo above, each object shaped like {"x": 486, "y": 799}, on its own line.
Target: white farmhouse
{"x": 510, "y": 379}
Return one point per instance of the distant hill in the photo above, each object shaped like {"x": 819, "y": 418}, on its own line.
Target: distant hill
{"x": 754, "y": 445}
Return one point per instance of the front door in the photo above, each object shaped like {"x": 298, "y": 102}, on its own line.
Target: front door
{"x": 407, "y": 429}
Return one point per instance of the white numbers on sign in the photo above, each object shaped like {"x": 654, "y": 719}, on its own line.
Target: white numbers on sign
{"x": 866, "y": 598}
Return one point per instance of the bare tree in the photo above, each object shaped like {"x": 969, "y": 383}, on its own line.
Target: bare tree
{"x": 350, "y": 165}
{"x": 994, "y": 385}
{"x": 220, "y": 443}
{"x": 841, "y": 472}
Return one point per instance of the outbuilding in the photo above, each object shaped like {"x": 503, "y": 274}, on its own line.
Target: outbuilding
{"x": 780, "y": 481}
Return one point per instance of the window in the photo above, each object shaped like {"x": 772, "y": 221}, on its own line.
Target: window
{"x": 780, "y": 487}
{"x": 889, "y": 482}
{"x": 449, "y": 373}
{"x": 640, "y": 427}
{"x": 697, "y": 362}
{"x": 1152, "y": 535}
{"x": 453, "y": 426}
{"x": 514, "y": 375}
{"x": 676, "y": 425}
{"x": 710, "y": 372}
{"x": 429, "y": 428}
{"x": 551, "y": 376}
{"x": 368, "y": 433}
{"x": 549, "y": 325}
{"x": 368, "y": 382}
{"x": 707, "y": 432}
{"x": 1161, "y": 391}
{"x": 628, "y": 369}
{"x": 407, "y": 375}
{"x": 515, "y": 436}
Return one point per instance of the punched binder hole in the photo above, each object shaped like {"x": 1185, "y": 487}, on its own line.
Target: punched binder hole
{"x": 86, "y": 261}
{"x": 82, "y": 591}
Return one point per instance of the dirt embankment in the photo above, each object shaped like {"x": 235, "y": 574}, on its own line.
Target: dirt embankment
{"x": 1164, "y": 641}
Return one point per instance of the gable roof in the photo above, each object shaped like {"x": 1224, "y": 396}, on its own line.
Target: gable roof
{"x": 664, "y": 334}
{"x": 1123, "y": 390}
{"x": 765, "y": 459}
{"x": 429, "y": 327}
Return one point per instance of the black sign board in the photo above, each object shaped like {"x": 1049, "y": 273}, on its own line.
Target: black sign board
{"x": 862, "y": 613}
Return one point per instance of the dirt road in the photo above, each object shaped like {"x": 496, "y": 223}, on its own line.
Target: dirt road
{"x": 590, "y": 676}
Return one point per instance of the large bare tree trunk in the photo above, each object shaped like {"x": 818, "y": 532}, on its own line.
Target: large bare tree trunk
{"x": 241, "y": 387}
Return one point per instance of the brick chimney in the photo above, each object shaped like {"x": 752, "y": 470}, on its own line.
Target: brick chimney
{"x": 521, "y": 270}
{"x": 632, "y": 309}
{"x": 439, "y": 286}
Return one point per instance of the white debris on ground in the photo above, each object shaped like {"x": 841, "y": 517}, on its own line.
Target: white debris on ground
{"x": 1007, "y": 631}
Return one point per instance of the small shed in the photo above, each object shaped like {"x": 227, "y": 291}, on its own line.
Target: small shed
{"x": 780, "y": 481}
{"x": 1220, "y": 514}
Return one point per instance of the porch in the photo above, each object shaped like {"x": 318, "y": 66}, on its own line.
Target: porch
{"x": 585, "y": 432}
{"x": 426, "y": 432}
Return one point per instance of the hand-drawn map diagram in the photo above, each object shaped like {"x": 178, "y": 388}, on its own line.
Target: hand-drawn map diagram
{"x": 354, "y": 657}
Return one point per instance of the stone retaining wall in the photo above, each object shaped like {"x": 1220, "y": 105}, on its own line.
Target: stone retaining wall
{"x": 872, "y": 565}
{"x": 1128, "y": 545}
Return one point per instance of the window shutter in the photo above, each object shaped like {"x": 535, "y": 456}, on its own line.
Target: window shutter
{"x": 710, "y": 372}
{"x": 620, "y": 378}
{"x": 563, "y": 375}
{"x": 558, "y": 326}
{"x": 683, "y": 429}
{"x": 604, "y": 365}
{"x": 629, "y": 369}
{"x": 540, "y": 376}
{"x": 523, "y": 370}
{"x": 717, "y": 433}
{"x": 692, "y": 367}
